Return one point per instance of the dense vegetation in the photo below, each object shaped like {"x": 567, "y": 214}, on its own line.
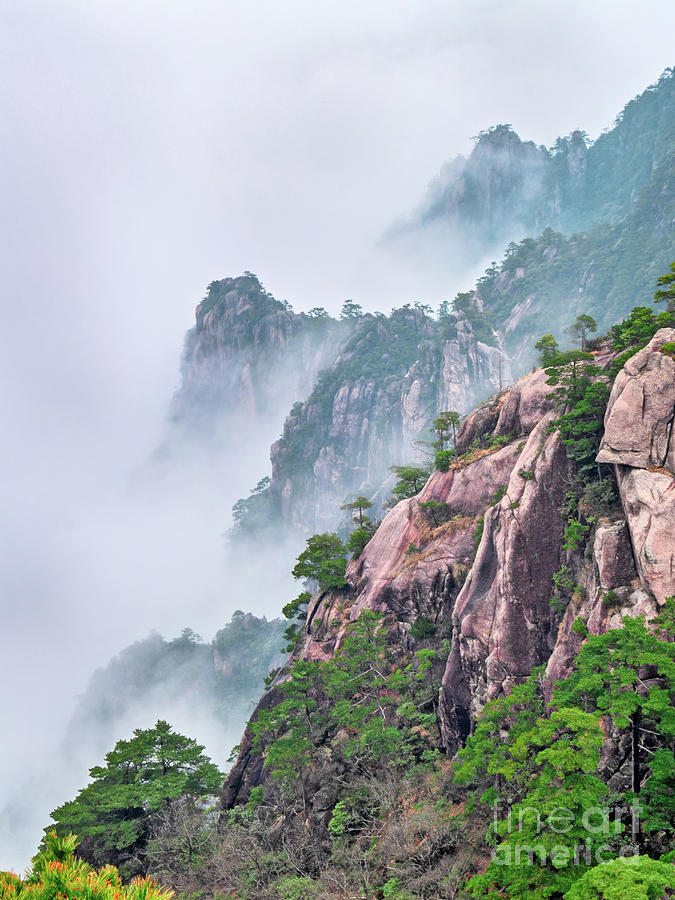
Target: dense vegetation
{"x": 352, "y": 749}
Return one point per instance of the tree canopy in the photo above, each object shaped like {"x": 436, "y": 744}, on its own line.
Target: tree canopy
{"x": 113, "y": 813}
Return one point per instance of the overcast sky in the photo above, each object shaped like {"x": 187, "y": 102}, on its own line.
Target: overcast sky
{"x": 149, "y": 147}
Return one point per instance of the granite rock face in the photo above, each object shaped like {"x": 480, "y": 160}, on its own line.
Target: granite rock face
{"x": 639, "y": 441}
{"x": 247, "y": 354}
{"x": 503, "y": 621}
{"x": 369, "y": 408}
{"x": 649, "y": 503}
{"x": 641, "y": 409}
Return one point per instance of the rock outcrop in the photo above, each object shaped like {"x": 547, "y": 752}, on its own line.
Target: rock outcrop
{"x": 639, "y": 441}
{"x": 369, "y": 408}
{"x": 641, "y": 410}
{"x": 503, "y": 620}
{"x": 248, "y": 354}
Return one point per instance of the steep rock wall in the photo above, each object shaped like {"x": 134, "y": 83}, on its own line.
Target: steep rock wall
{"x": 371, "y": 406}
{"x": 639, "y": 441}
{"x": 247, "y": 354}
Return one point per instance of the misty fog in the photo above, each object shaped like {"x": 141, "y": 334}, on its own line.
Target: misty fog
{"x": 150, "y": 148}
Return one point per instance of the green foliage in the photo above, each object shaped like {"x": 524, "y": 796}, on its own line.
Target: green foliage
{"x": 340, "y": 820}
{"x": 533, "y": 764}
{"x": 563, "y": 580}
{"x": 498, "y": 494}
{"x": 392, "y": 889}
{"x": 580, "y": 627}
{"x": 296, "y": 887}
{"x": 323, "y": 561}
{"x": 499, "y": 440}
{"x": 435, "y": 512}
{"x": 351, "y": 310}
{"x": 297, "y": 609}
{"x": 625, "y": 878}
{"x": 291, "y": 731}
{"x": 486, "y": 763}
{"x": 256, "y": 513}
{"x": 384, "y": 714}
{"x": 57, "y": 873}
{"x": 443, "y": 459}
{"x": 582, "y": 399}
{"x": 667, "y": 294}
{"x": 582, "y": 326}
{"x": 358, "y": 508}
{"x": 365, "y": 528}
{"x": 600, "y": 496}
{"x": 445, "y": 425}
{"x": 358, "y": 539}
{"x": 526, "y": 474}
{"x": 611, "y": 600}
{"x": 637, "y": 329}
{"x": 422, "y": 628}
{"x": 575, "y": 534}
{"x": 547, "y": 346}
{"x": 410, "y": 481}
{"x": 668, "y": 349}
{"x": 608, "y": 677}
{"x": 481, "y": 323}
{"x": 113, "y": 814}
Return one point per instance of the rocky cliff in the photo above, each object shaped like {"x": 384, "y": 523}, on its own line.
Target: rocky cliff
{"x": 498, "y": 577}
{"x": 369, "y": 408}
{"x": 248, "y": 355}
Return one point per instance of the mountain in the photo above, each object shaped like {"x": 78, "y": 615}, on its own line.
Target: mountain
{"x": 247, "y": 355}
{"x": 500, "y": 647}
{"x": 353, "y": 396}
{"x": 530, "y": 561}
{"x": 508, "y": 188}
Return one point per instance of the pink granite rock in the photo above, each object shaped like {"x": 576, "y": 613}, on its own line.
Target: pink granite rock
{"x": 641, "y": 409}
{"x": 649, "y": 503}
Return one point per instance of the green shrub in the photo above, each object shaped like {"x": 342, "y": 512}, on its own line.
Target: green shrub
{"x": 435, "y": 513}
{"x": 422, "y": 628}
{"x": 498, "y": 494}
{"x": 611, "y": 600}
{"x": 575, "y": 534}
{"x": 358, "y": 539}
{"x": 580, "y": 627}
{"x": 339, "y": 821}
{"x": 500, "y": 440}
{"x": 296, "y": 887}
{"x": 442, "y": 459}
{"x": 669, "y": 349}
{"x": 323, "y": 561}
{"x": 562, "y": 579}
{"x": 526, "y": 474}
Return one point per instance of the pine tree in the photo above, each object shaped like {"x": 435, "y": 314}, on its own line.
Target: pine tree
{"x": 113, "y": 813}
